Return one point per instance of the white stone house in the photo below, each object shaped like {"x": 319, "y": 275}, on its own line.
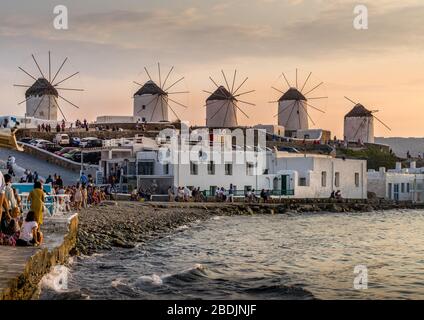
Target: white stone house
{"x": 398, "y": 184}
{"x": 283, "y": 174}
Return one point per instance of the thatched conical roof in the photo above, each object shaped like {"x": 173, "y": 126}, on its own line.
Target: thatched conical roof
{"x": 221, "y": 94}
{"x": 292, "y": 95}
{"x": 359, "y": 111}
{"x": 41, "y": 87}
{"x": 150, "y": 88}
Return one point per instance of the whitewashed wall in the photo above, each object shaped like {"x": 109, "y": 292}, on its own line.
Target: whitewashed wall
{"x": 365, "y": 125}
{"x": 311, "y": 168}
{"x": 150, "y": 113}
{"x": 226, "y": 117}
{"x": 298, "y": 119}
{"x": 43, "y": 110}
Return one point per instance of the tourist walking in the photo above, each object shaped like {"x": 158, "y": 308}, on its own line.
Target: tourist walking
{"x": 84, "y": 198}
{"x": 10, "y": 197}
{"x": 78, "y": 197}
{"x": 170, "y": 194}
{"x": 37, "y": 199}
{"x": 231, "y": 193}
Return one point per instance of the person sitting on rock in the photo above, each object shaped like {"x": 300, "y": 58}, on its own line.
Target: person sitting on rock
{"x": 333, "y": 195}
{"x": 29, "y": 235}
{"x": 338, "y": 195}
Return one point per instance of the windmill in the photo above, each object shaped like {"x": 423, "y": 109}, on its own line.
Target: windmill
{"x": 359, "y": 123}
{"x": 42, "y": 96}
{"x": 222, "y": 104}
{"x": 295, "y": 101}
{"x": 152, "y": 101}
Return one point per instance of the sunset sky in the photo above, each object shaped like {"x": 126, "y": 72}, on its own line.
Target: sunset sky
{"x": 111, "y": 41}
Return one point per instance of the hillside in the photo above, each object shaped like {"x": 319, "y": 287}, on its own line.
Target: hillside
{"x": 401, "y": 146}
{"x": 375, "y": 157}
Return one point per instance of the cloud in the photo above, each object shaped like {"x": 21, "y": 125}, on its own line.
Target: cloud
{"x": 215, "y": 32}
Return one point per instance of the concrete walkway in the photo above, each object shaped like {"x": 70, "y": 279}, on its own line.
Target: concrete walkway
{"x": 43, "y": 168}
{"x": 13, "y": 261}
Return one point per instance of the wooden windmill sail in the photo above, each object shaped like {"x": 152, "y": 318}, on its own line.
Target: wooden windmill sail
{"x": 359, "y": 124}
{"x": 152, "y": 101}
{"x": 222, "y": 104}
{"x": 42, "y": 96}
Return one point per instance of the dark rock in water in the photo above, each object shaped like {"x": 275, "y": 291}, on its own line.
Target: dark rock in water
{"x": 121, "y": 244}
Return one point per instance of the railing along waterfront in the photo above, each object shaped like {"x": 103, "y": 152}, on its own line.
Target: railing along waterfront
{"x": 54, "y": 205}
{"x": 244, "y": 193}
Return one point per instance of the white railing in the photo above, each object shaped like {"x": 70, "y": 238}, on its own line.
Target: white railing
{"x": 54, "y": 205}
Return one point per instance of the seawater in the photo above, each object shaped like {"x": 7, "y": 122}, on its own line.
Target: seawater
{"x": 302, "y": 256}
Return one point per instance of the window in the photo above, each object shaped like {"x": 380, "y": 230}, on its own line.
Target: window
{"x": 408, "y": 187}
{"x": 357, "y": 179}
{"x": 337, "y": 179}
{"x": 143, "y": 107}
{"x": 211, "y": 168}
{"x": 249, "y": 169}
{"x": 166, "y": 169}
{"x": 390, "y": 191}
{"x": 228, "y": 169}
{"x": 302, "y": 182}
{"x": 143, "y": 119}
{"x": 324, "y": 179}
{"x": 146, "y": 168}
{"x": 402, "y": 188}
{"x": 194, "y": 169}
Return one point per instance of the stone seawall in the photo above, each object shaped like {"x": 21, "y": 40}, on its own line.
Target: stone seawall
{"x": 21, "y": 269}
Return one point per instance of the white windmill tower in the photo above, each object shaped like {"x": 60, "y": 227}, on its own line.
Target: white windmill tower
{"x": 359, "y": 124}
{"x": 42, "y": 96}
{"x": 152, "y": 101}
{"x": 222, "y": 104}
{"x": 294, "y": 103}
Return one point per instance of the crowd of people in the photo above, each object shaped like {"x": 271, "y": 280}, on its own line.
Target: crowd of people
{"x": 61, "y": 126}
{"x": 15, "y": 228}
{"x": 19, "y": 229}
{"x": 186, "y": 194}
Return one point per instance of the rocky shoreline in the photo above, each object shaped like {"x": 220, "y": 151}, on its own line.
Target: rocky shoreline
{"x": 124, "y": 224}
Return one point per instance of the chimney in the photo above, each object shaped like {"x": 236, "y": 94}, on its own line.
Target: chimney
{"x": 382, "y": 170}
{"x": 398, "y": 166}
{"x": 413, "y": 165}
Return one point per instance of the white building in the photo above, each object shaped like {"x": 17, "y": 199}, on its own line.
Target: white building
{"x": 293, "y": 111}
{"x": 272, "y": 129}
{"x": 284, "y": 174}
{"x": 151, "y": 103}
{"x": 221, "y": 110}
{"x": 359, "y": 125}
{"x": 398, "y": 184}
